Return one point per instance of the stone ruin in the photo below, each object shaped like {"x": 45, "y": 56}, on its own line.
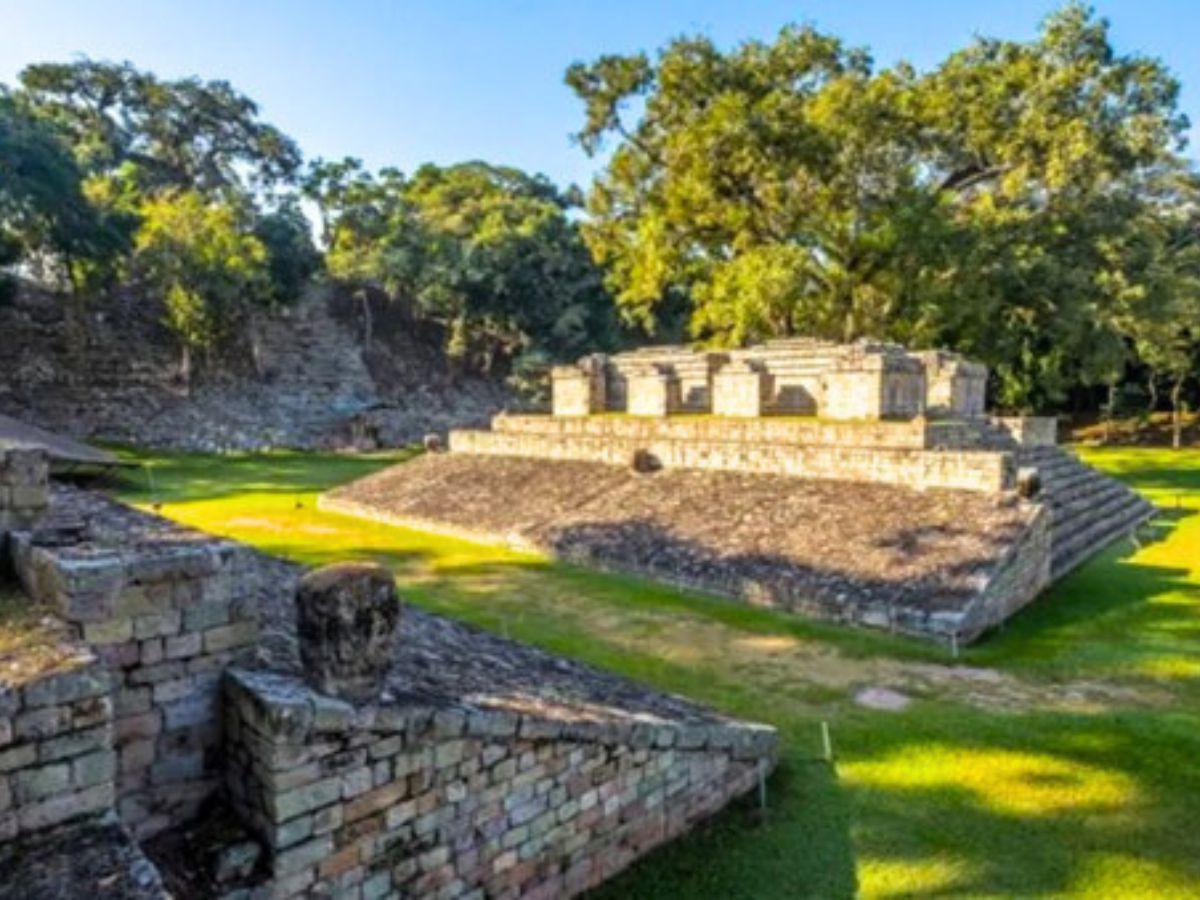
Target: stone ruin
{"x": 190, "y": 718}
{"x": 799, "y": 377}
{"x": 862, "y": 483}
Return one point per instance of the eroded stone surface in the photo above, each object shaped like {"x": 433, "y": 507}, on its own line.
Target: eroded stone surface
{"x": 346, "y": 617}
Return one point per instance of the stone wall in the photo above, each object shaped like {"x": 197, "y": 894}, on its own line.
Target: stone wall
{"x": 166, "y": 609}
{"x": 24, "y": 489}
{"x": 579, "y": 390}
{"x": 915, "y": 434}
{"x": 954, "y": 386}
{"x": 406, "y": 799}
{"x": 876, "y": 385}
{"x": 1017, "y": 580}
{"x": 972, "y": 470}
{"x": 56, "y": 758}
{"x": 1029, "y": 431}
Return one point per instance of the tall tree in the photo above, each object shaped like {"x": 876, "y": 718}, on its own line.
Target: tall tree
{"x": 185, "y": 134}
{"x": 489, "y": 253}
{"x": 204, "y": 260}
{"x": 791, "y": 187}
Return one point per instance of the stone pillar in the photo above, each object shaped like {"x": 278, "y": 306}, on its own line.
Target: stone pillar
{"x": 346, "y": 618}
{"x": 739, "y": 389}
{"x": 24, "y": 488}
{"x": 579, "y": 390}
{"x": 652, "y": 391}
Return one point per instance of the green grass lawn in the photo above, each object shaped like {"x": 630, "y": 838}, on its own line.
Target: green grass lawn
{"x": 1064, "y": 760}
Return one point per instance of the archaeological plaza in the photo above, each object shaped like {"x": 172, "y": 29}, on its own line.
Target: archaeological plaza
{"x": 192, "y": 708}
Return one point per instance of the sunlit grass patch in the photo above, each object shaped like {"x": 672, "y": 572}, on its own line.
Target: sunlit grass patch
{"x": 1008, "y": 782}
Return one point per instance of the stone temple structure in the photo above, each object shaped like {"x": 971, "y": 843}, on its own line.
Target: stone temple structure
{"x": 183, "y": 717}
{"x": 857, "y": 482}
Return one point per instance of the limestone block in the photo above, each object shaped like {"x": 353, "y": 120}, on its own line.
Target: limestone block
{"x": 652, "y": 391}
{"x": 739, "y": 389}
{"x": 579, "y": 390}
{"x": 346, "y": 617}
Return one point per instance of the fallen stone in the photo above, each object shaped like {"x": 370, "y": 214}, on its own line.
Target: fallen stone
{"x": 882, "y": 698}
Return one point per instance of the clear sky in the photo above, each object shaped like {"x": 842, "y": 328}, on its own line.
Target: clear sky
{"x": 401, "y": 83}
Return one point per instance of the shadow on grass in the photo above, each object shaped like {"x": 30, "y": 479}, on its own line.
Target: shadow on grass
{"x": 165, "y": 477}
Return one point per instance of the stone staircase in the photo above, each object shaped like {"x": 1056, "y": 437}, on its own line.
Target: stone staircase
{"x": 1089, "y": 509}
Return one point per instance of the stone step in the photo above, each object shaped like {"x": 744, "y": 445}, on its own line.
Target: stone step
{"x": 1085, "y": 493}
{"x": 1066, "y": 527}
{"x": 1083, "y": 544}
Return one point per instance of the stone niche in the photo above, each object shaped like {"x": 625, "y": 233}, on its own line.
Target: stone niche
{"x": 653, "y": 390}
{"x": 740, "y": 389}
{"x": 874, "y": 383}
{"x": 579, "y": 390}
{"x": 953, "y": 386}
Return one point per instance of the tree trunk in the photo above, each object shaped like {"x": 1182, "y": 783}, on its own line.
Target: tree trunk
{"x": 1152, "y": 389}
{"x": 1110, "y": 409}
{"x": 1176, "y": 414}
{"x": 256, "y": 358}
{"x": 368, "y": 324}
{"x": 185, "y": 368}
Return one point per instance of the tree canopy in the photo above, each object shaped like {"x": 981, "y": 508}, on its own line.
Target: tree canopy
{"x": 794, "y": 188}
{"x": 488, "y": 252}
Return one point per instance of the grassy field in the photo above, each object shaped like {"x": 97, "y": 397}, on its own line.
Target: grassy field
{"x": 1060, "y": 758}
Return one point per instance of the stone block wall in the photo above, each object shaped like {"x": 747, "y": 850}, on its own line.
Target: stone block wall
{"x": 874, "y": 386}
{"x": 1017, "y": 580}
{"x": 56, "y": 757}
{"x": 24, "y": 489}
{"x": 913, "y": 434}
{"x": 451, "y": 801}
{"x": 694, "y": 371}
{"x": 166, "y": 610}
{"x": 971, "y": 470}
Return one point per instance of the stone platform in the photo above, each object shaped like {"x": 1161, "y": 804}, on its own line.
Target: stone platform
{"x": 940, "y": 564}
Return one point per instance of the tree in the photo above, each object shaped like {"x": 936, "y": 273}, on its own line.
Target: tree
{"x": 187, "y": 134}
{"x": 487, "y": 252}
{"x": 292, "y": 257}
{"x": 46, "y": 220}
{"x": 210, "y": 269}
{"x": 791, "y": 187}
{"x": 1164, "y": 326}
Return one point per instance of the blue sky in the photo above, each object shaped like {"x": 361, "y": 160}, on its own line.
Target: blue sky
{"x": 400, "y": 83}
